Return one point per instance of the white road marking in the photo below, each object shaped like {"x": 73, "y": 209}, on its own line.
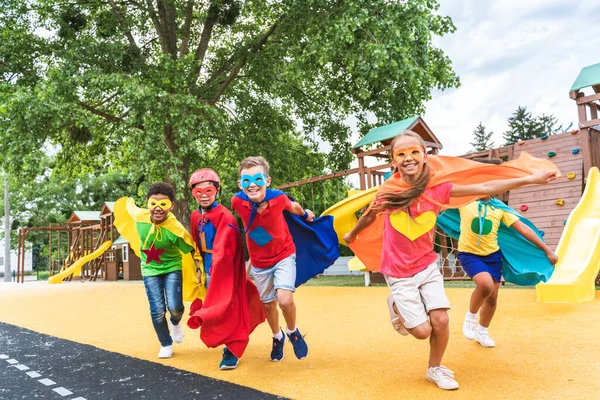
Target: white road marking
{"x": 12, "y": 361}
{"x": 3, "y": 356}
{"x": 62, "y": 391}
{"x": 33, "y": 374}
{"x": 47, "y": 382}
{"x": 21, "y": 367}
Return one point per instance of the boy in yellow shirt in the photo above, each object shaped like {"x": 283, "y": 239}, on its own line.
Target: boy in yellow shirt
{"x": 481, "y": 257}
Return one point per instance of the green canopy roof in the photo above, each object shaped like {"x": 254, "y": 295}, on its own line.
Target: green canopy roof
{"x": 589, "y": 76}
{"x": 382, "y": 133}
{"x": 85, "y": 216}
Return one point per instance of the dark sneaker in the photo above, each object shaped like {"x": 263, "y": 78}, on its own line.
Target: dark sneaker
{"x": 229, "y": 361}
{"x": 300, "y": 347}
{"x": 277, "y": 350}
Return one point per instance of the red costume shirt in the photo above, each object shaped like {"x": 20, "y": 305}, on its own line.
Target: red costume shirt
{"x": 268, "y": 239}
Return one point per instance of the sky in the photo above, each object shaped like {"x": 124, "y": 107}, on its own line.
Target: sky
{"x": 510, "y": 53}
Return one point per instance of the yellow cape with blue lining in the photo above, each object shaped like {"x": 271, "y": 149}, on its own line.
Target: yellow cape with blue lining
{"x": 127, "y": 214}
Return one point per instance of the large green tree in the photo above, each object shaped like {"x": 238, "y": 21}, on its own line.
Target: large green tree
{"x": 482, "y": 140}
{"x": 157, "y": 88}
{"x": 522, "y": 125}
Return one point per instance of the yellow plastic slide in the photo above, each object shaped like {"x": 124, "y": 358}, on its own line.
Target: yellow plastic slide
{"x": 75, "y": 269}
{"x": 578, "y": 251}
{"x": 344, "y": 218}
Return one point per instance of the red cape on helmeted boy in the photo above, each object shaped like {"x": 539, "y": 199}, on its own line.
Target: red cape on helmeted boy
{"x": 232, "y": 307}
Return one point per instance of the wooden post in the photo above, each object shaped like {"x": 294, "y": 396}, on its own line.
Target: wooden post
{"x": 50, "y": 245}
{"x": 361, "y": 172}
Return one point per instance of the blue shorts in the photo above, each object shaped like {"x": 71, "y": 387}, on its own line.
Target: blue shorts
{"x": 474, "y": 264}
{"x": 280, "y": 276}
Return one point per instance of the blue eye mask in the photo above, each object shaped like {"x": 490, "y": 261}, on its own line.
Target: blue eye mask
{"x": 257, "y": 179}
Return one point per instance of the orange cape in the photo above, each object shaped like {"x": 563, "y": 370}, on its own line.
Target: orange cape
{"x": 368, "y": 244}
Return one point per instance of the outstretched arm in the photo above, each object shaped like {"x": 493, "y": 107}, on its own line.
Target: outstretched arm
{"x": 363, "y": 222}
{"x": 502, "y": 185}
{"x": 530, "y": 235}
{"x": 298, "y": 210}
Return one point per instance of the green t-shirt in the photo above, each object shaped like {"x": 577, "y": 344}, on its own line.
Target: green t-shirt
{"x": 163, "y": 239}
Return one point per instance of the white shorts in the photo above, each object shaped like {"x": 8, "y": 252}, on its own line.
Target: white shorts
{"x": 417, "y": 295}
{"x": 280, "y": 276}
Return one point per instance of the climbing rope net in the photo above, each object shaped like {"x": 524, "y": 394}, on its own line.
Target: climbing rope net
{"x": 447, "y": 249}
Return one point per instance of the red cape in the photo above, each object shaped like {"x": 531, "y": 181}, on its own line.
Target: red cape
{"x": 232, "y": 307}
{"x": 368, "y": 245}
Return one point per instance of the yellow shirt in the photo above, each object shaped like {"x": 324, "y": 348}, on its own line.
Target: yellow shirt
{"x": 470, "y": 240}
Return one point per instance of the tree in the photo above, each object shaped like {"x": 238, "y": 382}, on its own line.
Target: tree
{"x": 156, "y": 89}
{"x": 523, "y": 126}
{"x": 482, "y": 140}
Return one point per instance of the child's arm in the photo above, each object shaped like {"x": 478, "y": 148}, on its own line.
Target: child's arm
{"x": 502, "y": 185}
{"x": 298, "y": 210}
{"x": 363, "y": 222}
{"x": 533, "y": 238}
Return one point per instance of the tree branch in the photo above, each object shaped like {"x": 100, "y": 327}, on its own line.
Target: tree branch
{"x": 211, "y": 19}
{"x": 254, "y": 49}
{"x": 156, "y": 23}
{"x": 187, "y": 26}
{"x": 123, "y": 23}
{"x": 100, "y": 113}
{"x": 167, "y": 14}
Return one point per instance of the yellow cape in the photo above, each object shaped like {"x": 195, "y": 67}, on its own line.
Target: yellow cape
{"x": 126, "y": 216}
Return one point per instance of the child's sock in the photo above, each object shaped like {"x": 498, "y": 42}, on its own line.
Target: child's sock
{"x": 278, "y": 335}
{"x": 471, "y": 316}
{"x": 290, "y": 332}
{"x": 482, "y": 329}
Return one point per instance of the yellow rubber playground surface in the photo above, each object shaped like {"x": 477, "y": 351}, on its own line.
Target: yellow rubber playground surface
{"x": 543, "y": 351}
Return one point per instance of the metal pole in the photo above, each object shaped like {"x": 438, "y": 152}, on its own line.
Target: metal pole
{"x": 7, "y": 271}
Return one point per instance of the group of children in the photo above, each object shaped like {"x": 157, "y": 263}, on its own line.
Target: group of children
{"x": 401, "y": 218}
{"x": 231, "y": 308}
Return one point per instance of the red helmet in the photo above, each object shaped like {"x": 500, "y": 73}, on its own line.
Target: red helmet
{"x": 204, "y": 175}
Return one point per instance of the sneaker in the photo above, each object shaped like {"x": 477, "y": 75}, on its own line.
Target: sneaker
{"x": 300, "y": 346}
{"x": 397, "y": 321}
{"x": 484, "y": 339}
{"x": 439, "y": 376}
{"x": 277, "y": 350}
{"x": 447, "y": 371}
{"x": 469, "y": 328}
{"x": 229, "y": 361}
{"x": 176, "y": 332}
{"x": 165, "y": 352}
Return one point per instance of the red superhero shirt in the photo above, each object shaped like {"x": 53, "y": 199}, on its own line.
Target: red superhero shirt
{"x": 268, "y": 239}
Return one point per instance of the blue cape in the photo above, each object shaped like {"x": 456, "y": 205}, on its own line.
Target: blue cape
{"x": 523, "y": 263}
{"x": 316, "y": 242}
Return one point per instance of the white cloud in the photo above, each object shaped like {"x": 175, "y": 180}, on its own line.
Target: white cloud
{"x": 509, "y": 53}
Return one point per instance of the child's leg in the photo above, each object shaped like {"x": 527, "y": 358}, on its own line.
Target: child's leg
{"x": 285, "y": 299}
{"x": 263, "y": 279}
{"x": 484, "y": 289}
{"x": 440, "y": 334}
{"x": 174, "y": 296}
{"x": 155, "y": 286}
{"x": 489, "y": 307}
{"x": 284, "y": 281}
{"x": 409, "y": 304}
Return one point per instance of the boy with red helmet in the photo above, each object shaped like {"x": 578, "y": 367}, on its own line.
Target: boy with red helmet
{"x": 232, "y": 307}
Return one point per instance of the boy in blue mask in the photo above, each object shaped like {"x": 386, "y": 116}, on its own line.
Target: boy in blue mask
{"x": 271, "y": 248}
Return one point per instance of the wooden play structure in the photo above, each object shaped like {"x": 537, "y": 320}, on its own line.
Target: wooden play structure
{"x": 574, "y": 153}
{"x": 83, "y": 233}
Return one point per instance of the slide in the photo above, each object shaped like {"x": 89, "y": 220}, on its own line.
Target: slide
{"x": 578, "y": 251}
{"x": 344, "y": 212}
{"x": 75, "y": 269}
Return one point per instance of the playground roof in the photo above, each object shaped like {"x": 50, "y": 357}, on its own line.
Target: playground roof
{"x": 84, "y": 216}
{"x": 120, "y": 240}
{"x": 107, "y": 208}
{"x": 589, "y": 76}
{"x": 388, "y": 132}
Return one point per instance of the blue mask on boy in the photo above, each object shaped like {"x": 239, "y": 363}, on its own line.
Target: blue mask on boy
{"x": 257, "y": 179}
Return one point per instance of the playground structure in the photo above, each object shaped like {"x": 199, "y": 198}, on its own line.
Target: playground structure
{"x": 84, "y": 233}
{"x": 549, "y": 208}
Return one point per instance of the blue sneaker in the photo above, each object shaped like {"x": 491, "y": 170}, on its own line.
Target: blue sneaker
{"x": 277, "y": 350}
{"x": 300, "y": 346}
{"x": 229, "y": 361}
